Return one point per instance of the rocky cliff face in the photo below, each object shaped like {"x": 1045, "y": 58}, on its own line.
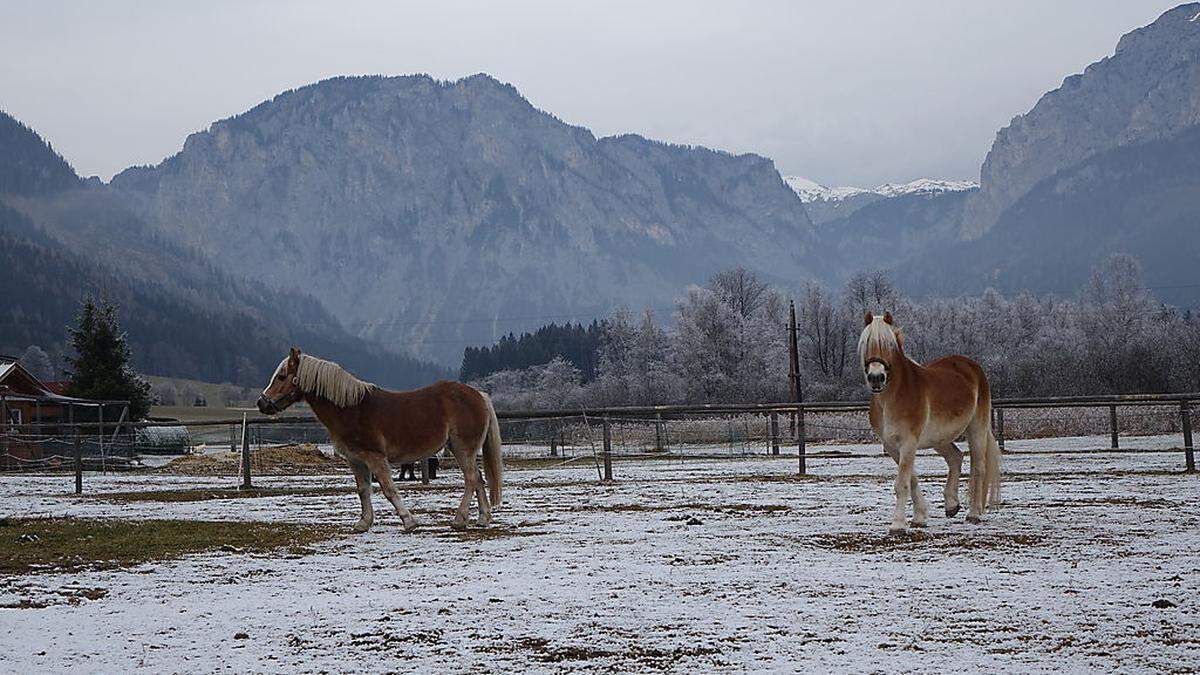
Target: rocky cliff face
{"x": 1139, "y": 199}
{"x": 1148, "y": 89}
{"x": 430, "y": 214}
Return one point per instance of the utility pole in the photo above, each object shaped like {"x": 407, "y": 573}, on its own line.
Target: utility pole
{"x": 793, "y": 353}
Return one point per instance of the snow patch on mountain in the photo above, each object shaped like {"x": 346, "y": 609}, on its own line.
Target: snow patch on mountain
{"x": 811, "y": 191}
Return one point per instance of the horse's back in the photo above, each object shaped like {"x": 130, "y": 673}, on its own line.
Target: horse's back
{"x": 956, "y": 384}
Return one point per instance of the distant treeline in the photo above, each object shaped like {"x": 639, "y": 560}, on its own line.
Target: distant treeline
{"x": 576, "y": 343}
{"x": 728, "y": 344}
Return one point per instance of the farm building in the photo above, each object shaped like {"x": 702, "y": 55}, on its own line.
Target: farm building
{"x": 37, "y": 418}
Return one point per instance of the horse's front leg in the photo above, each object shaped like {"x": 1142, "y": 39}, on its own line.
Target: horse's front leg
{"x": 383, "y": 472}
{"x": 920, "y": 505}
{"x": 953, "y": 457}
{"x": 904, "y": 481}
{"x": 362, "y": 480}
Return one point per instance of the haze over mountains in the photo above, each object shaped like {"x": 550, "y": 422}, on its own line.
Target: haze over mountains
{"x": 424, "y": 216}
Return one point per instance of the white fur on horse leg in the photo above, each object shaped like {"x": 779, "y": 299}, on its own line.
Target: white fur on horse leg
{"x": 383, "y": 471}
{"x": 362, "y": 483}
{"x": 977, "y": 439}
{"x": 464, "y": 504}
{"x": 481, "y": 498}
{"x": 920, "y": 505}
{"x": 953, "y": 457}
{"x": 903, "y": 485}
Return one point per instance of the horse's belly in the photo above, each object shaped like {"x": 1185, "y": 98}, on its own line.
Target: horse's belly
{"x": 937, "y": 433}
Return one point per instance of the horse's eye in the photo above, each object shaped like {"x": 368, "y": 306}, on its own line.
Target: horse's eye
{"x": 281, "y": 377}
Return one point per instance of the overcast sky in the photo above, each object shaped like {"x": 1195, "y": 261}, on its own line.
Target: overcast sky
{"x": 844, "y": 93}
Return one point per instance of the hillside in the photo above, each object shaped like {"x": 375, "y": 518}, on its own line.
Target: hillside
{"x": 185, "y": 317}
{"x": 1145, "y": 91}
{"x": 1138, "y": 199}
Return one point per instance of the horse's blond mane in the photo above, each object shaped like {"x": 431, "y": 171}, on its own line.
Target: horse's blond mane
{"x": 878, "y": 334}
{"x": 330, "y": 381}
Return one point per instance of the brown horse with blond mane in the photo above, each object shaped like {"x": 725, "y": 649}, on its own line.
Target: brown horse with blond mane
{"x": 915, "y": 407}
{"x": 372, "y": 427}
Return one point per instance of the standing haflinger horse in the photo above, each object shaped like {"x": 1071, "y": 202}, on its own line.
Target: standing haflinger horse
{"x": 372, "y": 427}
{"x": 914, "y": 407}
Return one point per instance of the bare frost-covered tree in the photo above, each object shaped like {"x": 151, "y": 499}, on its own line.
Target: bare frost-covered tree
{"x": 37, "y": 362}
{"x": 741, "y": 289}
{"x": 728, "y": 343}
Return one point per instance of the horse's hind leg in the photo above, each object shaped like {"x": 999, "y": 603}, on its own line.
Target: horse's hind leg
{"x": 362, "y": 480}
{"x": 977, "y": 440}
{"x": 481, "y": 498}
{"x": 466, "y": 461}
{"x": 383, "y": 472}
{"x": 953, "y": 457}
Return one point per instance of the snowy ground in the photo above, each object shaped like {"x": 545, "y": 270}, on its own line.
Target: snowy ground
{"x": 681, "y": 564}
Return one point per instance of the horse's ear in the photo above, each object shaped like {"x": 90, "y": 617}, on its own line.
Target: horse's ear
{"x": 868, "y": 318}
{"x": 294, "y": 354}
{"x": 887, "y": 318}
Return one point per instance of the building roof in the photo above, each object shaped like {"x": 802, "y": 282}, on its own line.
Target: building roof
{"x": 16, "y": 383}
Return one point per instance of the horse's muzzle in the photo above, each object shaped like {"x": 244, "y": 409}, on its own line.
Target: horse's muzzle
{"x": 876, "y": 382}
{"x": 267, "y": 406}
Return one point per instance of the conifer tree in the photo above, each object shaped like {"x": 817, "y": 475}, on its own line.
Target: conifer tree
{"x": 100, "y": 368}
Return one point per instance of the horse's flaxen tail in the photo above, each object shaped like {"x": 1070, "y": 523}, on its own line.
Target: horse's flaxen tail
{"x": 493, "y": 465}
{"x": 991, "y": 482}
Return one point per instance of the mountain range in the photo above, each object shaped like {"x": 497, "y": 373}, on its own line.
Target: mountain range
{"x": 389, "y": 219}
{"x": 428, "y": 215}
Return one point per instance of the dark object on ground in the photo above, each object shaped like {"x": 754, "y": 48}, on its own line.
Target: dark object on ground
{"x": 408, "y": 470}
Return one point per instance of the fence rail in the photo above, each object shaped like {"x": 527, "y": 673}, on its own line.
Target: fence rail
{"x": 601, "y": 434}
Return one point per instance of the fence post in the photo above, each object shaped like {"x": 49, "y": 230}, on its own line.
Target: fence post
{"x": 800, "y": 439}
{"x": 1000, "y": 428}
{"x": 553, "y": 439}
{"x": 100, "y": 438}
{"x": 1185, "y": 415}
{"x": 774, "y": 433}
{"x": 1112, "y": 425}
{"x": 245, "y": 454}
{"x": 424, "y": 471}
{"x": 658, "y": 432}
{"x": 78, "y": 462}
{"x": 608, "y": 472}
{"x": 4, "y": 423}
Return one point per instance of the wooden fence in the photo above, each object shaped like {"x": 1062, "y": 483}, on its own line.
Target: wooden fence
{"x": 802, "y": 420}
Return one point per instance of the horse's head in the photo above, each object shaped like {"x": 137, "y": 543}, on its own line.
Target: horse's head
{"x": 284, "y": 388}
{"x": 879, "y": 346}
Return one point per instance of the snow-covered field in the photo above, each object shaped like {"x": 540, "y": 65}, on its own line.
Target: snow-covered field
{"x": 681, "y": 565}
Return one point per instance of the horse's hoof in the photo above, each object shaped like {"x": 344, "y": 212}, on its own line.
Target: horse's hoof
{"x": 952, "y": 511}
{"x": 483, "y": 522}
{"x": 410, "y": 525}
{"x": 360, "y": 527}
{"x": 459, "y": 525}
{"x": 918, "y": 524}
{"x": 897, "y": 530}
{"x": 974, "y": 520}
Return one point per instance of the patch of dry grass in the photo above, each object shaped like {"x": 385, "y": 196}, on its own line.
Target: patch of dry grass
{"x": 916, "y": 539}
{"x": 206, "y": 494}
{"x": 286, "y": 460}
{"x": 30, "y": 545}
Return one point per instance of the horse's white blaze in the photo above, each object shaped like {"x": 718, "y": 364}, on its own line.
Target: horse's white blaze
{"x": 278, "y": 371}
